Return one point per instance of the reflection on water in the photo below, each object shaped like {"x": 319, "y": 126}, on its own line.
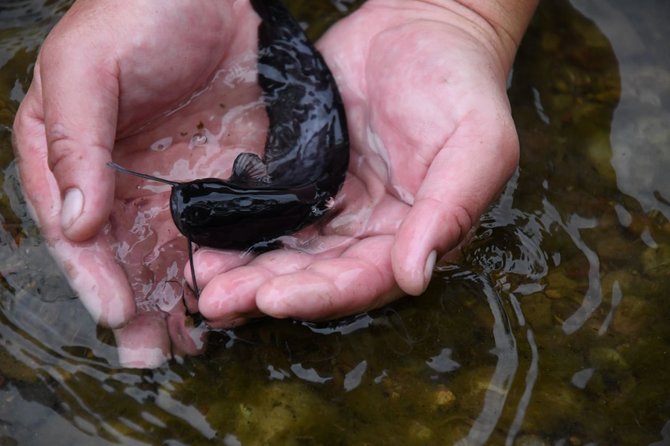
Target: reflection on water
{"x": 552, "y": 330}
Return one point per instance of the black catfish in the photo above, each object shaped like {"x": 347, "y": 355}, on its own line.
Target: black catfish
{"x": 306, "y": 151}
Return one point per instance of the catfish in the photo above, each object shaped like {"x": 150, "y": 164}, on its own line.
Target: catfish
{"x": 305, "y": 157}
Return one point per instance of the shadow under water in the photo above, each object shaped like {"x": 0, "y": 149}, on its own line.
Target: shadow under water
{"x": 551, "y": 330}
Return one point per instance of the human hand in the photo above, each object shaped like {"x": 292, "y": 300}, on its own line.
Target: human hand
{"x": 105, "y": 80}
{"x": 98, "y": 79}
{"x": 433, "y": 143}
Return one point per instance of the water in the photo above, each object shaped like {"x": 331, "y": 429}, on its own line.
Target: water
{"x": 551, "y": 330}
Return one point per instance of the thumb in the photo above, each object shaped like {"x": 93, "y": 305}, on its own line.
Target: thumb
{"x": 461, "y": 182}
{"x": 80, "y": 103}
{"x": 431, "y": 228}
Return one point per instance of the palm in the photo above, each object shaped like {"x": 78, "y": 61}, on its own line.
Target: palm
{"x": 417, "y": 138}
{"x": 199, "y": 138}
{"x": 135, "y": 256}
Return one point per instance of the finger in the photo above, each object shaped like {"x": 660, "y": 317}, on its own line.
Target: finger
{"x": 100, "y": 283}
{"x": 209, "y": 263}
{"x": 230, "y": 298}
{"x": 80, "y": 102}
{"x": 465, "y": 176}
{"x": 144, "y": 342}
{"x": 91, "y": 266}
{"x": 185, "y": 338}
{"x": 359, "y": 280}
{"x": 431, "y": 225}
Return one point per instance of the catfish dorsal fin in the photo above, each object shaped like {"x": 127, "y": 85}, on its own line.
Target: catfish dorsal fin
{"x": 249, "y": 168}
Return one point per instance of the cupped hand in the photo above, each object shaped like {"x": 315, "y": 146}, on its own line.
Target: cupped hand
{"x": 433, "y": 143}
{"x": 146, "y": 82}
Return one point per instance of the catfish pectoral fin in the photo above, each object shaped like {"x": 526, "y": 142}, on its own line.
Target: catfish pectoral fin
{"x": 248, "y": 168}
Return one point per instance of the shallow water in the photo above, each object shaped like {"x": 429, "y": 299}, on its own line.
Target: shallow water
{"x": 552, "y": 330}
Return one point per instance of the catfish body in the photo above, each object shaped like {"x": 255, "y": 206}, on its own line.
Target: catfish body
{"x": 306, "y": 151}
{"x": 222, "y": 215}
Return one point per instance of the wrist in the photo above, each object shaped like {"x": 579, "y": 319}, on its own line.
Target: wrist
{"x": 508, "y": 19}
{"x": 498, "y": 25}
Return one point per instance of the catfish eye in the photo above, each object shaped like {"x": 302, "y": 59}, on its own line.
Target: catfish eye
{"x": 198, "y": 214}
{"x": 244, "y": 202}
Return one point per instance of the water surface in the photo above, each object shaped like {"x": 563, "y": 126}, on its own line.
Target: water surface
{"x": 552, "y": 330}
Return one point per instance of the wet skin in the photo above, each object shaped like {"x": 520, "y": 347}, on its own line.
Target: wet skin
{"x": 306, "y": 152}
{"x": 426, "y": 159}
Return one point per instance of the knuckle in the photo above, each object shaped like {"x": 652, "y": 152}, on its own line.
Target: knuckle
{"x": 62, "y": 148}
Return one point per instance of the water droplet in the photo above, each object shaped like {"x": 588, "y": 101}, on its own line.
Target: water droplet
{"x": 161, "y": 144}
{"x": 199, "y": 139}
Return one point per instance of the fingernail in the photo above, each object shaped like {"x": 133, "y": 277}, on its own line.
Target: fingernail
{"x": 430, "y": 265}
{"x": 73, "y": 205}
